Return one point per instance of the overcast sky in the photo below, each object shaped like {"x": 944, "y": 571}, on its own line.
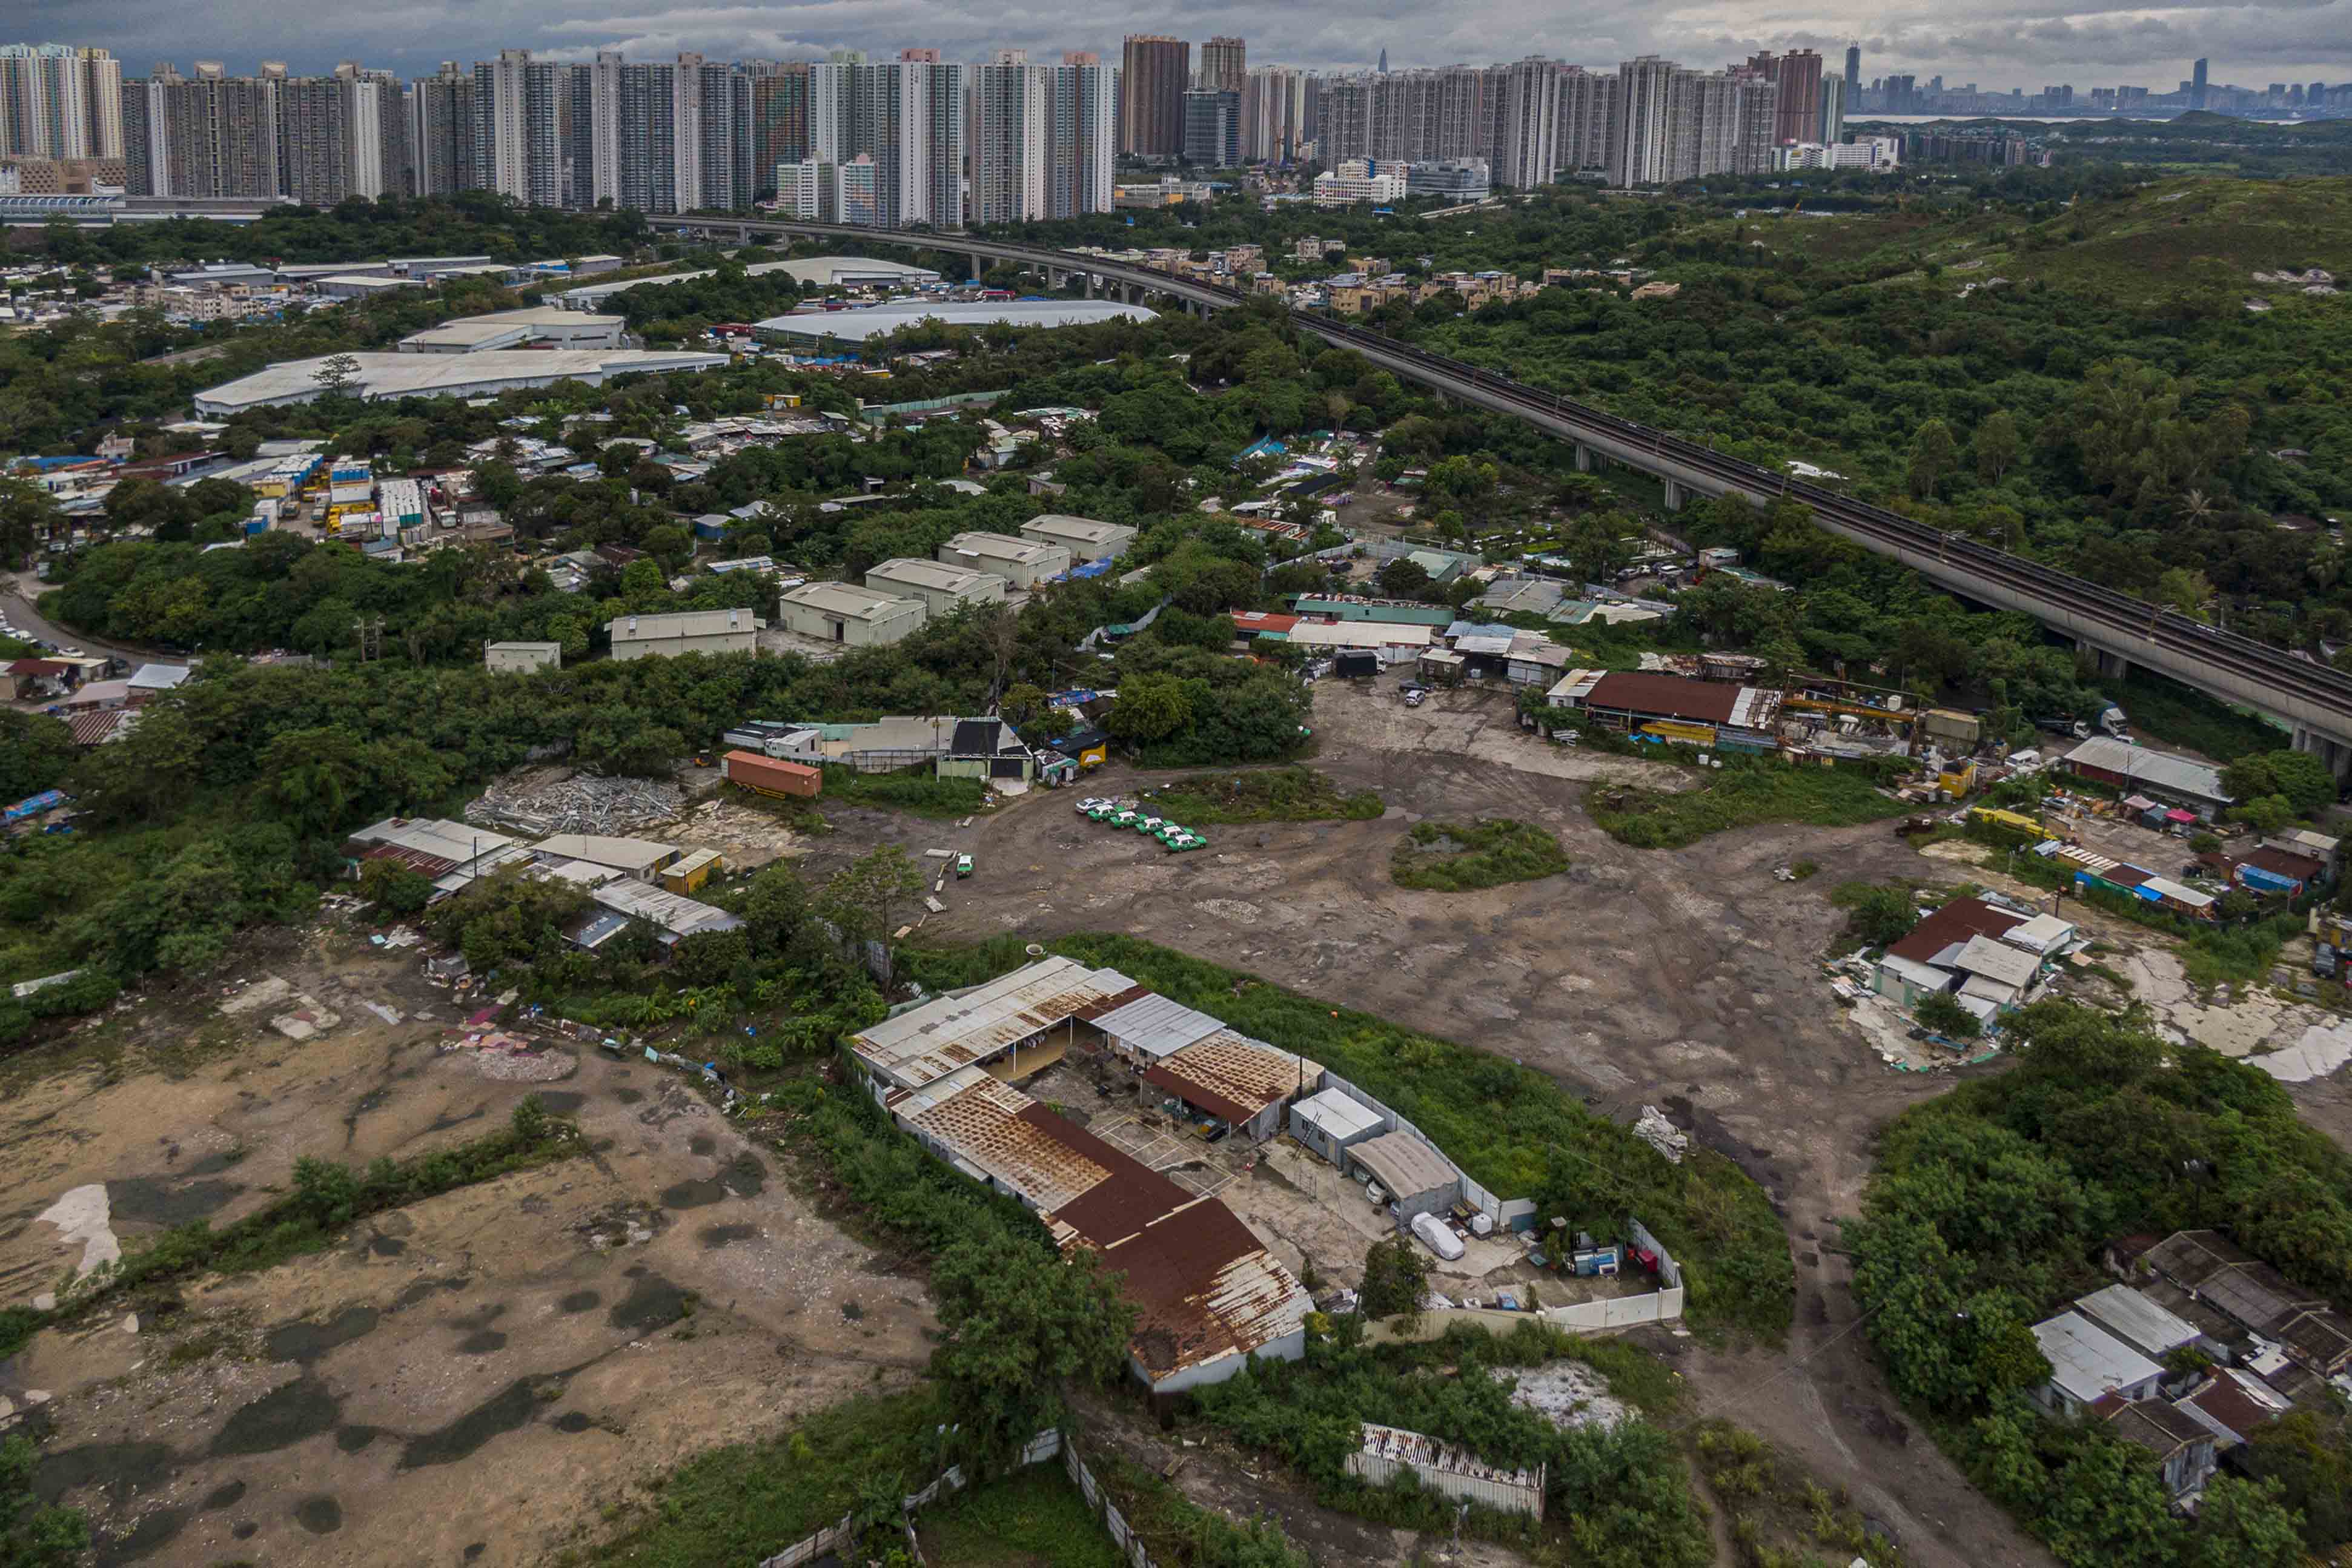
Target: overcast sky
{"x": 1998, "y": 44}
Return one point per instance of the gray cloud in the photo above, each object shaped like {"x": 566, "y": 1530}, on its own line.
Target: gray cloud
{"x": 1998, "y": 43}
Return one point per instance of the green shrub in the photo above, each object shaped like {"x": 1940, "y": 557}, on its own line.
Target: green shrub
{"x": 917, "y": 791}
{"x": 1742, "y": 794}
{"x": 1458, "y": 857}
{"x": 1265, "y": 795}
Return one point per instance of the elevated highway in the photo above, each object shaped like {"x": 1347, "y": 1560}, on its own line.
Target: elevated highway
{"x": 2314, "y": 700}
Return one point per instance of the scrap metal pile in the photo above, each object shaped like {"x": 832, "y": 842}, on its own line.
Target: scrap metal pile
{"x": 532, "y": 803}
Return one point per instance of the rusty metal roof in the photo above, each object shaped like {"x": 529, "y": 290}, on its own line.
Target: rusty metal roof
{"x": 987, "y": 1124}
{"x": 932, "y": 1040}
{"x": 1204, "y": 1290}
{"x": 1233, "y": 1076}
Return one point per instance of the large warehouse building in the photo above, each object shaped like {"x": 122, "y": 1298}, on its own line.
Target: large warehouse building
{"x": 386, "y": 377}
{"x": 825, "y": 271}
{"x": 881, "y": 320}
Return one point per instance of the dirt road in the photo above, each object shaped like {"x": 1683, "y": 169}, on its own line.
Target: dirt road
{"x": 1687, "y": 979}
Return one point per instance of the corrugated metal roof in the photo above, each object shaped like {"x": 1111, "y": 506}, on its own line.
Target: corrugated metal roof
{"x": 1157, "y": 1026}
{"x": 1204, "y": 1290}
{"x": 2137, "y": 1321}
{"x": 1404, "y": 1165}
{"x": 2089, "y": 1363}
{"x": 2010, "y": 966}
{"x": 984, "y": 1123}
{"x": 1953, "y": 926}
{"x": 1231, "y": 1075}
{"x": 934, "y": 1040}
{"x": 1338, "y": 1114}
{"x": 2158, "y": 770}
{"x": 2155, "y": 1426}
{"x": 1361, "y": 634}
{"x": 1671, "y": 697}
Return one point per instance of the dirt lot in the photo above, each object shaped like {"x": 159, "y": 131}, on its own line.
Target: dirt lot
{"x": 470, "y": 1379}
{"x": 1683, "y": 979}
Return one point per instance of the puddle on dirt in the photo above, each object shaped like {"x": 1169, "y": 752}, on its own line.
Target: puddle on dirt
{"x": 279, "y": 1419}
{"x": 244, "y": 1530}
{"x": 383, "y": 1245}
{"x": 372, "y": 1101}
{"x": 117, "y": 1466}
{"x": 580, "y": 1301}
{"x": 628, "y": 1096}
{"x": 149, "y": 1535}
{"x": 563, "y": 1101}
{"x": 508, "y": 1410}
{"x": 747, "y": 1177}
{"x": 476, "y": 1550}
{"x": 319, "y": 1515}
{"x": 693, "y": 1193}
{"x": 148, "y": 1200}
{"x": 442, "y": 1124}
{"x": 221, "y": 1496}
{"x": 651, "y": 1302}
{"x": 482, "y": 1344}
{"x": 213, "y": 1165}
{"x": 425, "y": 1288}
{"x": 353, "y": 1439}
{"x": 714, "y": 1236}
{"x": 702, "y": 1143}
{"x": 306, "y": 1342}
{"x": 574, "y": 1421}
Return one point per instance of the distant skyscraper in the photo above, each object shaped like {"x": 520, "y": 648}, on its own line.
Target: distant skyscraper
{"x": 1527, "y": 122}
{"x": 1798, "y": 76}
{"x": 2197, "y": 86}
{"x": 906, "y": 121}
{"x": 1213, "y": 127}
{"x": 1224, "y": 65}
{"x": 59, "y": 101}
{"x": 441, "y": 118}
{"x": 1274, "y": 114}
{"x": 1852, "y": 72}
{"x": 515, "y": 112}
{"x": 1384, "y": 60}
{"x": 1155, "y": 74}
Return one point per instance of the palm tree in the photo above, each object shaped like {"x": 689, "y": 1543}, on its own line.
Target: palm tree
{"x": 2196, "y": 508}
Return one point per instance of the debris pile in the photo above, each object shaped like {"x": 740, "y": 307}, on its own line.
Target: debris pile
{"x": 532, "y": 803}
{"x": 511, "y": 1058}
{"x": 1660, "y": 1135}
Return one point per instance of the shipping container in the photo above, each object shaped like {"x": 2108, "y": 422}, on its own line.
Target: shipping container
{"x": 767, "y": 776}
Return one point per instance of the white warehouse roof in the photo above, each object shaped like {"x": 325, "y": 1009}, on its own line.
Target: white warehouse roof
{"x": 832, "y": 271}
{"x": 852, "y": 326}
{"x": 380, "y": 376}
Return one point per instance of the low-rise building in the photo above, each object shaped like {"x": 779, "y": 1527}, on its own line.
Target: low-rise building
{"x": 2135, "y": 769}
{"x": 1085, "y": 540}
{"x": 674, "y": 917}
{"x": 452, "y": 854}
{"x": 685, "y": 632}
{"x": 1332, "y": 1122}
{"x": 521, "y": 658}
{"x": 852, "y": 616}
{"x": 1022, "y": 563}
{"x": 2088, "y": 1365}
{"x": 639, "y": 860}
{"x": 942, "y": 589}
{"x": 1676, "y": 708}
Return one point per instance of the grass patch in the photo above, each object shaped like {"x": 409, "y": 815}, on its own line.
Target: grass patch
{"x": 914, "y": 790}
{"x": 1514, "y": 1131}
{"x": 1742, "y": 795}
{"x": 745, "y": 1501}
{"x": 1778, "y": 1513}
{"x": 1458, "y": 857}
{"x": 1034, "y": 1518}
{"x": 1176, "y": 1530}
{"x": 1265, "y": 795}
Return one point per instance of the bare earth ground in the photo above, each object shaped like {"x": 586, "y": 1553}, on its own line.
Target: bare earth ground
{"x": 468, "y": 1380}
{"x": 1686, "y": 978}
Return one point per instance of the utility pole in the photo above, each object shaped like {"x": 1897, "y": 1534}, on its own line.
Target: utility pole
{"x": 371, "y": 635}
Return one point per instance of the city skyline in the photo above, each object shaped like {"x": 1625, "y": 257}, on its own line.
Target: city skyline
{"x": 2024, "y": 44}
